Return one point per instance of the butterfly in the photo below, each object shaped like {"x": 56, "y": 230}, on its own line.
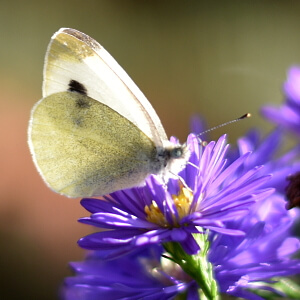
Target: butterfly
{"x": 94, "y": 131}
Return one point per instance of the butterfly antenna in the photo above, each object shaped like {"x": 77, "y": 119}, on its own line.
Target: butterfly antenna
{"x": 248, "y": 115}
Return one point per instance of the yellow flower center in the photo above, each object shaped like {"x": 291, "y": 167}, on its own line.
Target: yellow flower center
{"x": 154, "y": 215}
{"x": 182, "y": 203}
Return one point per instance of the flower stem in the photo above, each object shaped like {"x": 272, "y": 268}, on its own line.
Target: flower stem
{"x": 197, "y": 266}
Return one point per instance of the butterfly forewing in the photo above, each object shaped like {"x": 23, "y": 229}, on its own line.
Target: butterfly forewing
{"x": 74, "y": 56}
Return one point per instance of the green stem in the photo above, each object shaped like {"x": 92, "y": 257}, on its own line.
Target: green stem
{"x": 197, "y": 266}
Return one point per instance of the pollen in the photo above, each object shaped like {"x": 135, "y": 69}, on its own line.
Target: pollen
{"x": 182, "y": 202}
{"x": 155, "y": 215}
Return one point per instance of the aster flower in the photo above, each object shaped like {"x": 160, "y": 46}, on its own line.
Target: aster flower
{"x": 198, "y": 126}
{"x": 288, "y": 114}
{"x": 208, "y": 194}
{"x": 266, "y": 151}
{"x": 243, "y": 266}
{"x": 284, "y": 167}
{"x": 139, "y": 275}
{"x": 250, "y": 262}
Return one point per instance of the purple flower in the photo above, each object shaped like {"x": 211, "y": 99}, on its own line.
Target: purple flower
{"x": 288, "y": 114}
{"x": 139, "y": 275}
{"x": 267, "y": 152}
{"x": 198, "y": 126}
{"x": 207, "y": 194}
{"x": 239, "y": 263}
{"x": 251, "y": 261}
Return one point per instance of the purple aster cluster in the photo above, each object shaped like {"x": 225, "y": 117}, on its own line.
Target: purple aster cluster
{"x": 240, "y": 263}
{"x": 222, "y": 226}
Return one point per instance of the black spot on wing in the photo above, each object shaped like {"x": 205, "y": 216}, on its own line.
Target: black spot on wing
{"x": 77, "y": 121}
{"x": 82, "y": 102}
{"x": 75, "y": 86}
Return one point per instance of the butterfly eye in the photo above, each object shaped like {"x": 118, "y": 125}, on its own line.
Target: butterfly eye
{"x": 176, "y": 152}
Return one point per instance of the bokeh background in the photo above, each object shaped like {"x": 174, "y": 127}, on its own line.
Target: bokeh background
{"x": 218, "y": 58}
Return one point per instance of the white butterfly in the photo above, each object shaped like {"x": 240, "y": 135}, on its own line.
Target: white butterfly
{"x": 94, "y": 131}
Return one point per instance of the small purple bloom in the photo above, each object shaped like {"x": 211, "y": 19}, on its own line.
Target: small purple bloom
{"x": 288, "y": 114}
{"x": 207, "y": 194}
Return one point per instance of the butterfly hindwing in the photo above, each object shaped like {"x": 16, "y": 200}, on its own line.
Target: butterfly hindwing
{"x": 84, "y": 148}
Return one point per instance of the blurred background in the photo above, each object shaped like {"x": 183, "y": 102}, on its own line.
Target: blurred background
{"x": 218, "y": 58}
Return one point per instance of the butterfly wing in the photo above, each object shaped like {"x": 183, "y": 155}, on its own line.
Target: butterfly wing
{"x": 73, "y": 56}
{"x": 82, "y": 147}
